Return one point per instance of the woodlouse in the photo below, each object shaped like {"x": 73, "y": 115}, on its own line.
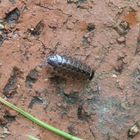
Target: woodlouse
{"x": 68, "y": 63}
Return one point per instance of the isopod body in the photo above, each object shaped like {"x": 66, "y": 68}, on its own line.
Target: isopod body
{"x": 70, "y": 64}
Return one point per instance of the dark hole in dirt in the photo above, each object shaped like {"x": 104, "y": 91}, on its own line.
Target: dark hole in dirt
{"x": 37, "y": 30}
{"x": 9, "y": 117}
{"x": 12, "y": 16}
{"x": 10, "y": 88}
{"x": 31, "y": 78}
{"x": 90, "y": 27}
{"x": 82, "y": 114}
{"x": 35, "y": 100}
{"x": 71, "y": 98}
{"x": 57, "y": 79}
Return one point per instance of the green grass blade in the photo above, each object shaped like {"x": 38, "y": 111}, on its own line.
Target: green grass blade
{"x": 39, "y": 122}
{"x": 32, "y": 138}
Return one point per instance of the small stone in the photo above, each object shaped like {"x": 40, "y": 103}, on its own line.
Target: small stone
{"x": 121, "y": 39}
{"x": 6, "y": 131}
{"x": 38, "y": 68}
{"x": 2, "y": 27}
{"x": 134, "y": 130}
{"x": 114, "y": 76}
{"x": 46, "y": 79}
{"x": 18, "y": 86}
{"x": 59, "y": 104}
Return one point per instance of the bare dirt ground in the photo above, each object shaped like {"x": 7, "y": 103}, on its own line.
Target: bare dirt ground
{"x": 105, "y": 34}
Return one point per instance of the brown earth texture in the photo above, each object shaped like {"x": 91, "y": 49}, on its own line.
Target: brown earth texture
{"x": 104, "y": 34}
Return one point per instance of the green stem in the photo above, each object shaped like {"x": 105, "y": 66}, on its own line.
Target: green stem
{"x": 32, "y": 138}
{"x": 39, "y": 122}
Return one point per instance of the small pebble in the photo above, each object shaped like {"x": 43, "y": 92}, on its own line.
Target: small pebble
{"x": 2, "y": 27}
{"x": 134, "y": 130}
{"x": 121, "y": 39}
{"x": 59, "y": 104}
{"x": 6, "y": 131}
{"x": 46, "y": 79}
{"x": 38, "y": 68}
{"x": 114, "y": 76}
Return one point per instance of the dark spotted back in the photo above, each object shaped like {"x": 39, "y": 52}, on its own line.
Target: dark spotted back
{"x": 70, "y": 64}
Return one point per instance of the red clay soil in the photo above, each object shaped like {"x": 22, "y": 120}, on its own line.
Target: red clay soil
{"x": 105, "y": 34}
